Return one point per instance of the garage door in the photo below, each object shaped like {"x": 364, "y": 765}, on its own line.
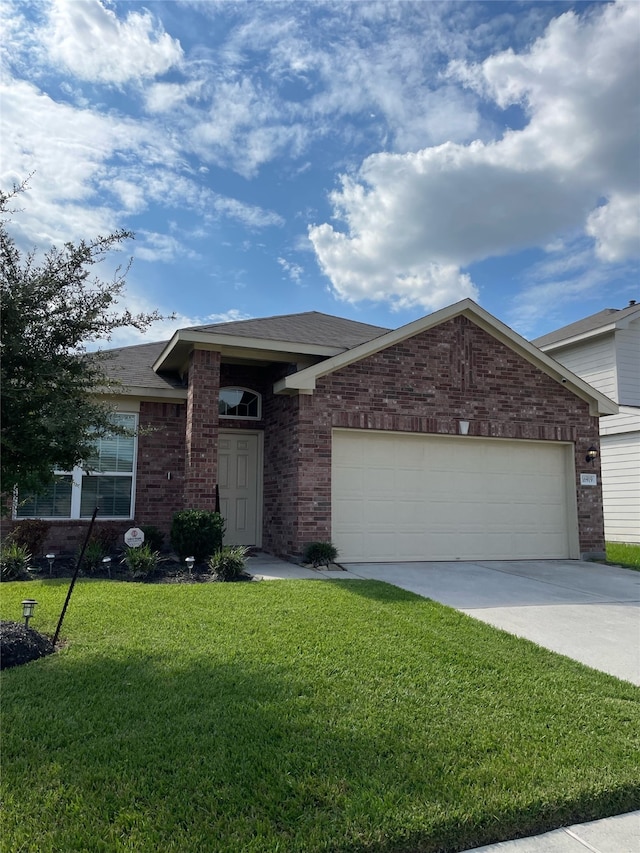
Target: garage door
{"x": 397, "y": 496}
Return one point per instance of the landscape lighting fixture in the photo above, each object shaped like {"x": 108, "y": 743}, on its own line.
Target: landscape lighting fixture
{"x": 51, "y": 558}
{"x": 106, "y": 562}
{"x": 592, "y": 453}
{"x": 28, "y": 606}
{"x": 189, "y": 561}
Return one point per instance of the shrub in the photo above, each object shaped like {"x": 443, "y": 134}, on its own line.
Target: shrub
{"x": 141, "y": 561}
{"x": 228, "y": 564}
{"x": 14, "y": 560}
{"x": 197, "y": 533}
{"x": 94, "y": 553}
{"x": 107, "y": 536}
{"x": 153, "y": 537}
{"x": 319, "y": 553}
{"x": 31, "y": 534}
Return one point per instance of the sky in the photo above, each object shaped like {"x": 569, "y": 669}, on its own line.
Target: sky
{"x": 372, "y": 160}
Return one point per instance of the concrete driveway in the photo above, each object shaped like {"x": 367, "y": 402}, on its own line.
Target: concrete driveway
{"x": 586, "y": 611}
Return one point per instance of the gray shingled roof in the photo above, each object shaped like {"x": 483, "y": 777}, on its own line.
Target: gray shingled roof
{"x": 310, "y": 327}
{"x": 588, "y": 324}
{"x": 133, "y": 365}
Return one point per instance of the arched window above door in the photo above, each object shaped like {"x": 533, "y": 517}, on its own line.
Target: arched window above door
{"x": 240, "y": 403}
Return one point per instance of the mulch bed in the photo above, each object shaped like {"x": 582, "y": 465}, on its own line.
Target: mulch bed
{"x": 19, "y": 644}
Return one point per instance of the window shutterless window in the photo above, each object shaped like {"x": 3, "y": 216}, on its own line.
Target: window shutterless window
{"x": 109, "y": 485}
{"x": 239, "y": 403}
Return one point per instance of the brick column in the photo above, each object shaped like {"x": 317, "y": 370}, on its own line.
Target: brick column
{"x": 201, "y": 464}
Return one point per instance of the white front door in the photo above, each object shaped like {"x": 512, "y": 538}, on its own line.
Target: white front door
{"x": 239, "y": 479}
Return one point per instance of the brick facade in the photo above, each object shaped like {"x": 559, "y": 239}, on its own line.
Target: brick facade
{"x": 425, "y": 385}
{"x": 201, "y": 460}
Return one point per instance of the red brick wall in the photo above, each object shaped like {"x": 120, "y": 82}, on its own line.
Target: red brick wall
{"x": 426, "y": 384}
{"x": 280, "y": 529}
{"x": 161, "y": 452}
{"x": 201, "y": 464}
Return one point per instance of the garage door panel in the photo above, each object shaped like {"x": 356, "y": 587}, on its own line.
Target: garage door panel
{"x": 416, "y": 497}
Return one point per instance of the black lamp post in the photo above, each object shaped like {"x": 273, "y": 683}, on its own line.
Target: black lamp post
{"x": 28, "y": 606}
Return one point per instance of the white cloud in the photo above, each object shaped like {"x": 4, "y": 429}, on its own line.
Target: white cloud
{"x": 412, "y": 221}
{"x": 95, "y": 45}
{"x": 616, "y": 228}
{"x": 294, "y": 271}
{"x": 165, "y": 97}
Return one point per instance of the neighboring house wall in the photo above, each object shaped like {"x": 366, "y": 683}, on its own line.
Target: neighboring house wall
{"x": 611, "y": 363}
{"x": 594, "y": 361}
{"x": 424, "y": 385}
{"x": 628, "y": 361}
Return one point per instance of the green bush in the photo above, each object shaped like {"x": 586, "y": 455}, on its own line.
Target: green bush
{"x": 319, "y": 553}
{"x": 94, "y": 554}
{"x": 228, "y": 564}
{"x": 14, "y": 560}
{"x": 141, "y": 561}
{"x": 153, "y": 537}
{"x": 197, "y": 533}
{"x": 31, "y": 534}
{"x": 107, "y": 535}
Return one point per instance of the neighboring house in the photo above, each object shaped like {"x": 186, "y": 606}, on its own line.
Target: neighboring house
{"x": 604, "y": 349}
{"x": 449, "y": 438}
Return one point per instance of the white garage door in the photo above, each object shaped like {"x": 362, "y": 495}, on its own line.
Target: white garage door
{"x": 397, "y": 496}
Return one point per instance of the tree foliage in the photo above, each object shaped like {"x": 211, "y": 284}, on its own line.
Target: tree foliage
{"x": 51, "y": 310}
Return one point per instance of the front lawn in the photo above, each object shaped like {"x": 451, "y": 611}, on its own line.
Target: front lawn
{"x": 623, "y": 554}
{"x": 298, "y": 716}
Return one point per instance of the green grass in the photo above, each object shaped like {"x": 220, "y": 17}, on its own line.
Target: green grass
{"x": 622, "y": 554}
{"x": 304, "y": 716}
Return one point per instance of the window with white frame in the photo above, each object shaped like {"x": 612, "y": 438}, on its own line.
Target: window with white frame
{"x": 107, "y": 481}
{"x": 239, "y": 403}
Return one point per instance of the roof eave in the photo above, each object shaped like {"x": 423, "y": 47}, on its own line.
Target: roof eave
{"x": 177, "y": 349}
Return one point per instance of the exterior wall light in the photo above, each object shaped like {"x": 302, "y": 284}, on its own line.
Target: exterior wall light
{"x": 28, "y": 606}
{"x": 463, "y": 426}
{"x": 51, "y": 558}
{"x": 189, "y": 561}
{"x": 106, "y": 562}
{"x": 592, "y": 453}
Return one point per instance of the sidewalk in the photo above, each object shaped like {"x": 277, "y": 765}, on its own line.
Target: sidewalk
{"x": 618, "y": 834}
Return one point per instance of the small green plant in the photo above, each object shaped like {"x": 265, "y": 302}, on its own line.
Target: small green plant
{"x": 319, "y": 553}
{"x": 31, "y": 534}
{"x": 153, "y": 537}
{"x": 197, "y": 533}
{"x": 94, "y": 553}
{"x": 141, "y": 561}
{"x": 14, "y": 561}
{"x": 228, "y": 564}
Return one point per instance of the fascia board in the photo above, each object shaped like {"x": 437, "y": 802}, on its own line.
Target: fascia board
{"x": 305, "y": 380}
{"x": 160, "y": 394}
{"x": 237, "y": 344}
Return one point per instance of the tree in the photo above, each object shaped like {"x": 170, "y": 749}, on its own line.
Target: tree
{"x": 51, "y": 310}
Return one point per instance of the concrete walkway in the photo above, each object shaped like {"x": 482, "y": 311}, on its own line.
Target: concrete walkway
{"x": 585, "y": 611}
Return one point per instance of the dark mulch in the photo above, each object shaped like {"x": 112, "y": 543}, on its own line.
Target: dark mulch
{"x": 19, "y": 644}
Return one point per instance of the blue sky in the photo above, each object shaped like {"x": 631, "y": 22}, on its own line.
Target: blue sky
{"x": 371, "y": 160}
